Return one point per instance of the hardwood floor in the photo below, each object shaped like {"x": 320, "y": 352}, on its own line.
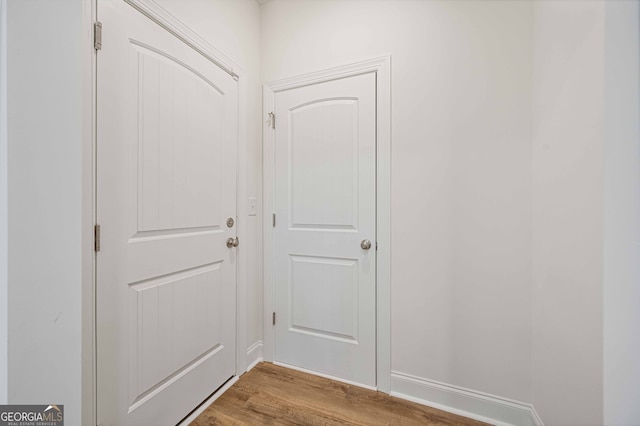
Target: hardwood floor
{"x": 273, "y": 395}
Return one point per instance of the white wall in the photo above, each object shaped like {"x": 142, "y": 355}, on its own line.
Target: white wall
{"x": 3, "y": 207}
{"x": 233, "y": 27}
{"x": 622, "y": 213}
{"x": 45, "y": 145}
{"x": 461, "y": 171}
{"x": 510, "y": 261}
{"x": 568, "y": 211}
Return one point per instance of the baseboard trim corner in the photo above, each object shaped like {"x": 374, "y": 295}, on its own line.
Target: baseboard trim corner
{"x": 254, "y": 355}
{"x": 464, "y": 402}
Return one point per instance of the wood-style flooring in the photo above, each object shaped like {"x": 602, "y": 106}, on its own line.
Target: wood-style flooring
{"x": 274, "y": 395}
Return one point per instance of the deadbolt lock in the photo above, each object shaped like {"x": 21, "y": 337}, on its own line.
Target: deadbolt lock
{"x": 230, "y": 222}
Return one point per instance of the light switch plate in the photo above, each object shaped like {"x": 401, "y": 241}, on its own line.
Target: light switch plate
{"x": 252, "y": 206}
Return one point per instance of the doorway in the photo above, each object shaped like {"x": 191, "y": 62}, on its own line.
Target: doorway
{"x": 326, "y": 162}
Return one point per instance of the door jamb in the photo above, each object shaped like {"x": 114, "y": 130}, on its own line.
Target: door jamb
{"x": 171, "y": 23}
{"x": 89, "y": 382}
{"x": 381, "y": 66}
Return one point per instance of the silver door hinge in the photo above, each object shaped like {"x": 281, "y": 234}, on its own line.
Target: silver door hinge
{"x": 272, "y": 118}
{"x": 97, "y": 35}
{"x": 96, "y": 238}
{"x": 273, "y": 220}
{"x": 274, "y": 318}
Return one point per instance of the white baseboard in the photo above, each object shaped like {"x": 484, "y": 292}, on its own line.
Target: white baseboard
{"x": 254, "y": 355}
{"x": 465, "y": 402}
{"x": 453, "y": 399}
{"x": 326, "y": 376}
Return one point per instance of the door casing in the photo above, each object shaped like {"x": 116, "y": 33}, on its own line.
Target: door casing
{"x": 381, "y": 66}
{"x": 172, "y": 24}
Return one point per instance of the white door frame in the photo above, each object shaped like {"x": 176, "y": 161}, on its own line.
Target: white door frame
{"x": 171, "y": 23}
{"x": 382, "y": 68}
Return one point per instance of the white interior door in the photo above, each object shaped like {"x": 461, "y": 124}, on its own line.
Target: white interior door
{"x": 167, "y": 128}
{"x": 325, "y": 204}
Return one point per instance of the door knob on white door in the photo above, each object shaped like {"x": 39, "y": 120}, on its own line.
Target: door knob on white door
{"x": 233, "y": 242}
{"x": 365, "y": 244}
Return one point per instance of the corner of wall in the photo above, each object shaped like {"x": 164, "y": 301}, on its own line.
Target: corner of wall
{"x": 254, "y": 355}
{"x": 567, "y": 253}
{"x": 3, "y": 208}
{"x": 621, "y": 344}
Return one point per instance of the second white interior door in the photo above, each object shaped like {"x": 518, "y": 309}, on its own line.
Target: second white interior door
{"x": 325, "y": 202}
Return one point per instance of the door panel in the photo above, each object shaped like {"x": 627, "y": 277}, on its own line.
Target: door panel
{"x": 324, "y": 164}
{"x": 319, "y": 286}
{"x": 166, "y": 183}
{"x": 325, "y": 205}
{"x": 178, "y": 154}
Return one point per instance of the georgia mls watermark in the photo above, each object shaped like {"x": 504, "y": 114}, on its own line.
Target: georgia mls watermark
{"x": 31, "y": 415}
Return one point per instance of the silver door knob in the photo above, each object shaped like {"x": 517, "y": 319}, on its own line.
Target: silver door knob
{"x": 365, "y": 244}
{"x": 233, "y": 242}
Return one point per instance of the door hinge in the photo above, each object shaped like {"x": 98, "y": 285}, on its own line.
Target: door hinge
{"x": 376, "y": 245}
{"x": 97, "y": 35}
{"x": 273, "y": 220}
{"x": 96, "y": 238}
{"x": 272, "y": 118}
{"x": 274, "y": 318}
